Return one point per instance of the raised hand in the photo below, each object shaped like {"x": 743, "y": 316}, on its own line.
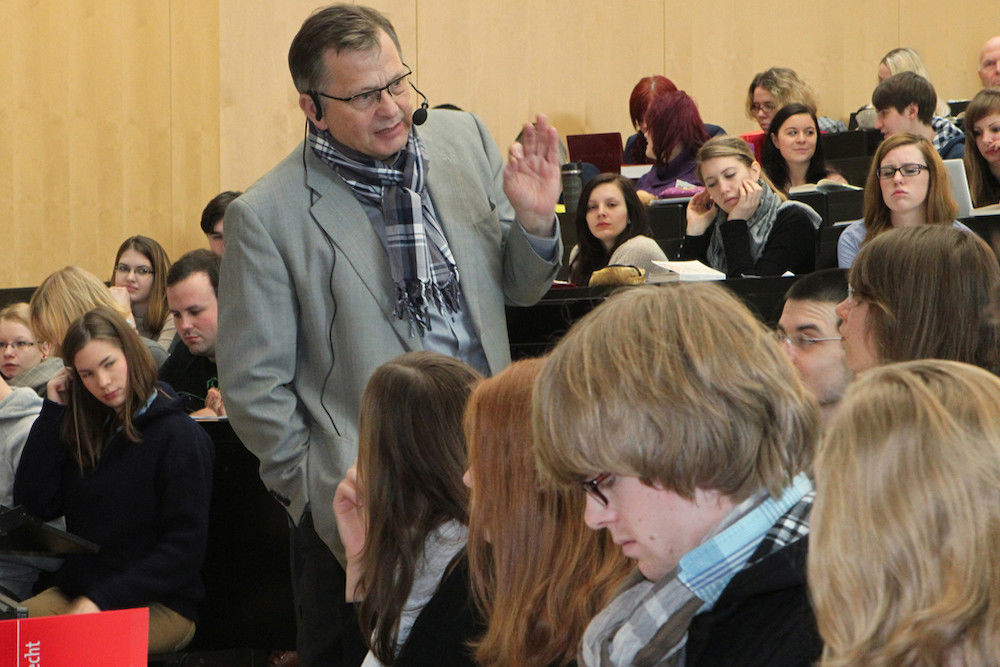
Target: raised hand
{"x": 531, "y": 179}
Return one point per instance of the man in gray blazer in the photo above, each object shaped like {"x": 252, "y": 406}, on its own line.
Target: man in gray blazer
{"x": 371, "y": 239}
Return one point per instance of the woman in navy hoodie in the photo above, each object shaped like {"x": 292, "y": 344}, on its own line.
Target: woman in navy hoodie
{"x": 131, "y": 472}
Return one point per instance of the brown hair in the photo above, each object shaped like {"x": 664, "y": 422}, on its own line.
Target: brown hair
{"x": 157, "y": 309}
{"x": 538, "y": 573}
{"x": 983, "y": 184}
{"x": 679, "y": 385}
{"x": 87, "y": 423}
{"x": 928, "y": 288}
{"x": 336, "y": 27}
{"x": 903, "y": 566}
{"x": 734, "y": 147}
{"x": 941, "y": 207}
{"x": 411, "y": 458}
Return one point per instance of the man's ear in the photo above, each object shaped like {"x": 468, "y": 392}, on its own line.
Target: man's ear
{"x": 911, "y": 111}
{"x": 307, "y": 103}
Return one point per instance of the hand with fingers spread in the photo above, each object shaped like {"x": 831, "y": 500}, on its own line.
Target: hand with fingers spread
{"x": 532, "y": 180}
{"x": 701, "y": 212}
{"x": 750, "y": 193}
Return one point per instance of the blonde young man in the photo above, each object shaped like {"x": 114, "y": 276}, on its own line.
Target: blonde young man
{"x": 689, "y": 430}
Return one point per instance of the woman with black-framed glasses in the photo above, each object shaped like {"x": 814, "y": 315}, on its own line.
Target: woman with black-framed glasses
{"x": 907, "y": 186}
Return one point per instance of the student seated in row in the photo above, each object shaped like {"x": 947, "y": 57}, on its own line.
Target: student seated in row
{"x": 905, "y": 103}
{"x": 907, "y": 186}
{"x": 741, "y": 224}
{"x": 675, "y": 411}
{"x": 192, "y": 286}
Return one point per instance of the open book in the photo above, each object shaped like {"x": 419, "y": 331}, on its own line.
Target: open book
{"x": 824, "y": 185}
{"x": 685, "y": 271}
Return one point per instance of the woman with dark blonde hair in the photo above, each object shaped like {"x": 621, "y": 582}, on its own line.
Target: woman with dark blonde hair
{"x": 921, "y": 293}
{"x": 66, "y": 295}
{"x": 131, "y": 472}
{"x": 538, "y": 573}
{"x": 401, "y": 513}
{"x": 982, "y": 164}
{"x": 141, "y": 267}
{"x": 741, "y": 224}
{"x": 907, "y": 185}
{"x": 903, "y": 566}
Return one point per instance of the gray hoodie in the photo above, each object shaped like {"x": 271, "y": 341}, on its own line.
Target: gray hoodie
{"x": 17, "y": 414}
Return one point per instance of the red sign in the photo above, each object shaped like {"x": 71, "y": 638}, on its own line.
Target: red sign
{"x": 108, "y": 639}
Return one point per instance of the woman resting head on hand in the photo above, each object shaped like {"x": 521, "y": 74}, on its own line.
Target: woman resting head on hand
{"x": 130, "y": 472}
{"x": 611, "y": 228}
{"x": 402, "y": 515}
{"x": 141, "y": 266}
{"x": 741, "y": 224}
{"x": 902, "y": 564}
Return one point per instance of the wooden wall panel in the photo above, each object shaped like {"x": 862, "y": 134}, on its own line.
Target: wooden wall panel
{"x": 88, "y": 128}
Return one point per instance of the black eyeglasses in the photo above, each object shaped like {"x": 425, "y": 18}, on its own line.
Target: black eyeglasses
{"x": 593, "y": 487}
{"x": 369, "y": 98}
{"x": 125, "y": 269}
{"x": 908, "y": 169}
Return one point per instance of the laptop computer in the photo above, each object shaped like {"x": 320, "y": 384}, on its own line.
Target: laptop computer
{"x": 603, "y": 150}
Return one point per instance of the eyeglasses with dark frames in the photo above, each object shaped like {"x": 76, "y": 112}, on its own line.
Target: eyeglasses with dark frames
{"x": 367, "y": 99}
{"x": 125, "y": 269}
{"x": 593, "y": 487}
{"x": 908, "y": 170}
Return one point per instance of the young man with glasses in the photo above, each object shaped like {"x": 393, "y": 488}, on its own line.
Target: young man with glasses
{"x": 905, "y": 102}
{"x": 809, "y": 334}
{"x": 373, "y": 238}
{"x": 692, "y": 439}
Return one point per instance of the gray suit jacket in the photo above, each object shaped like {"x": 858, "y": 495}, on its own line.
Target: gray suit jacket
{"x": 306, "y": 303}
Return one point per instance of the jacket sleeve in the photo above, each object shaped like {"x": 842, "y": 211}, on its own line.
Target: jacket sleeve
{"x": 258, "y": 339}
{"x": 791, "y": 244}
{"x": 526, "y": 275}
{"x": 38, "y": 483}
{"x": 184, "y": 481}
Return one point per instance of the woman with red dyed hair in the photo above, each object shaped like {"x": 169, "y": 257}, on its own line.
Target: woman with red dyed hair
{"x": 644, "y": 92}
{"x": 674, "y": 132}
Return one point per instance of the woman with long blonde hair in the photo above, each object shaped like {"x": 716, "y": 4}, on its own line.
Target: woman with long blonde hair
{"x": 538, "y": 573}
{"x": 903, "y": 566}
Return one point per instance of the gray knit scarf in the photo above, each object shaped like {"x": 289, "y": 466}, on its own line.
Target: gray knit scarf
{"x": 420, "y": 261}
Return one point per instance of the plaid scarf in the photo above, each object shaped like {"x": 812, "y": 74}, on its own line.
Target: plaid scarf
{"x": 420, "y": 261}
{"x": 647, "y": 623}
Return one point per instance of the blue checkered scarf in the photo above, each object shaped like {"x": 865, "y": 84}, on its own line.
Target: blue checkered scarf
{"x": 420, "y": 261}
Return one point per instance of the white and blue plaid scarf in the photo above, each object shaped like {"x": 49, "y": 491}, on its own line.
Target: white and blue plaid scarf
{"x": 420, "y": 261}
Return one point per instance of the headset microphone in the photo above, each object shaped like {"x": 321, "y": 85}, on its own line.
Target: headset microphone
{"x": 420, "y": 115}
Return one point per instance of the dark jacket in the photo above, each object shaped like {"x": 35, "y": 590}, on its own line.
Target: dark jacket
{"x": 442, "y": 631}
{"x": 762, "y": 618}
{"x": 145, "y": 504}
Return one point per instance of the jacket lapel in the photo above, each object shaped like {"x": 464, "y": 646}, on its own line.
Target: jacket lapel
{"x": 344, "y": 221}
